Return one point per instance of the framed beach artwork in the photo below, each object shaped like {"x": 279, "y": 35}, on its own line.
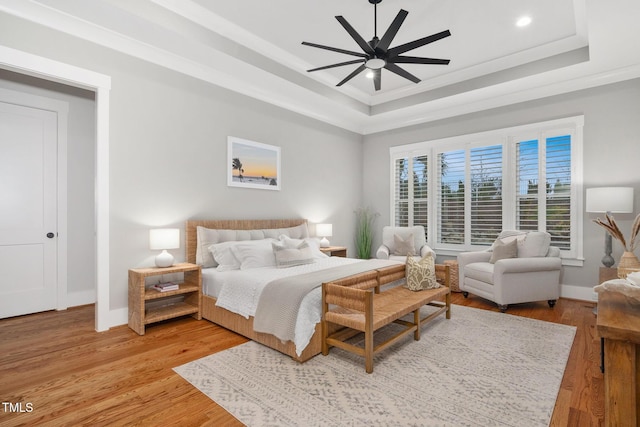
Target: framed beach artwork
{"x": 252, "y": 164}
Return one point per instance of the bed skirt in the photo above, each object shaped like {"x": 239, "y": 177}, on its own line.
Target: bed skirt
{"x": 244, "y": 327}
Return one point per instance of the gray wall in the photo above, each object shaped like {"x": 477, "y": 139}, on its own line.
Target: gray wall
{"x": 168, "y": 153}
{"x": 611, "y": 154}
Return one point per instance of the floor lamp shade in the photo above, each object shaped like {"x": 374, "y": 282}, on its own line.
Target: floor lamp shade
{"x": 163, "y": 239}
{"x": 609, "y": 200}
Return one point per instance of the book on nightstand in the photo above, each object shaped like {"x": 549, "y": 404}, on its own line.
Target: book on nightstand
{"x": 165, "y": 287}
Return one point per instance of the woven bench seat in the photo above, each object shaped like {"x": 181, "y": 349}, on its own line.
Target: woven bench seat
{"x": 358, "y": 306}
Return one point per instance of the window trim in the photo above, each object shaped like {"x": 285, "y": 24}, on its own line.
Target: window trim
{"x": 507, "y": 138}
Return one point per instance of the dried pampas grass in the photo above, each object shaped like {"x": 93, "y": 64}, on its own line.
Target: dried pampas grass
{"x": 612, "y": 228}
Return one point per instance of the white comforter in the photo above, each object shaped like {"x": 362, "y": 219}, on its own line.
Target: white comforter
{"x": 239, "y": 292}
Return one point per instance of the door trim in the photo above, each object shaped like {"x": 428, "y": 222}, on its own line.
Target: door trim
{"x": 45, "y": 68}
{"x": 61, "y": 109}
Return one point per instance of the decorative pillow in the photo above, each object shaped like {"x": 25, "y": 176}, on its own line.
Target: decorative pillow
{"x": 314, "y": 244}
{"x": 254, "y": 254}
{"x": 509, "y": 236}
{"x": 535, "y": 244}
{"x": 421, "y": 274}
{"x": 404, "y": 246}
{"x": 288, "y": 257}
{"x": 504, "y": 250}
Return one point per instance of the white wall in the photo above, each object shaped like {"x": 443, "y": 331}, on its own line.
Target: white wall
{"x": 168, "y": 159}
{"x": 611, "y": 154}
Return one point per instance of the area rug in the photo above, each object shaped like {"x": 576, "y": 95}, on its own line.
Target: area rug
{"x": 479, "y": 368}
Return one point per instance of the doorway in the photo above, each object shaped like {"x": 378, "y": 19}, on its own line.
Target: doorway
{"x": 45, "y": 68}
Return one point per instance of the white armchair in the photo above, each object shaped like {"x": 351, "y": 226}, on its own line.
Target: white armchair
{"x": 532, "y": 275}
{"x": 397, "y": 242}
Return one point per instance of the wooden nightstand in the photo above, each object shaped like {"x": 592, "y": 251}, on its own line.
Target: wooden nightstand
{"x": 146, "y": 304}
{"x": 335, "y": 251}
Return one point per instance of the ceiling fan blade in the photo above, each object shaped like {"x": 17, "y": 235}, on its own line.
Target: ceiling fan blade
{"x": 402, "y": 73}
{"x": 352, "y": 75}
{"x": 395, "y": 51}
{"x": 377, "y": 74}
{"x": 418, "y": 60}
{"x": 335, "y": 49}
{"x": 353, "y": 33}
{"x": 355, "y": 61}
{"x": 391, "y": 32}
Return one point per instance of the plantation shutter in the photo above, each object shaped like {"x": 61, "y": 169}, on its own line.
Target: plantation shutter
{"x": 485, "y": 165}
{"x": 558, "y": 184}
{"x": 411, "y": 202}
{"x": 401, "y": 192}
{"x": 527, "y": 179}
{"x": 451, "y": 197}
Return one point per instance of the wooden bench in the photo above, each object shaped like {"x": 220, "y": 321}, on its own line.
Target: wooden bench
{"x": 357, "y": 304}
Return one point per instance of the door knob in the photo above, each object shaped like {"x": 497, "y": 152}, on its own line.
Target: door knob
{"x": 50, "y": 235}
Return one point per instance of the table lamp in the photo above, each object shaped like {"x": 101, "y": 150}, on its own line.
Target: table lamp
{"x": 324, "y": 231}
{"x": 609, "y": 200}
{"x": 163, "y": 239}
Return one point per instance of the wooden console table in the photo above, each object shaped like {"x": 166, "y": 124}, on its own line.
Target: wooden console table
{"x": 619, "y": 325}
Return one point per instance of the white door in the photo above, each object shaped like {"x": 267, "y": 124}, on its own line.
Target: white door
{"x": 28, "y": 176}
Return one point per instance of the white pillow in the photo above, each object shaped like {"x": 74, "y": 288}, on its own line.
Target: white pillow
{"x": 254, "y": 254}
{"x": 314, "y": 245}
{"x": 208, "y": 236}
{"x": 289, "y": 257}
{"x": 224, "y": 257}
{"x": 298, "y": 232}
{"x": 205, "y": 238}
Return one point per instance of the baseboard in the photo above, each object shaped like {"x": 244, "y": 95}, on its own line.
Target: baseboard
{"x": 582, "y": 293}
{"x": 118, "y": 317}
{"x": 75, "y": 299}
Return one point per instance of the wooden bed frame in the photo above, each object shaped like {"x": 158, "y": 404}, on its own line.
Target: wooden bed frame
{"x": 242, "y": 326}
{"x": 233, "y": 321}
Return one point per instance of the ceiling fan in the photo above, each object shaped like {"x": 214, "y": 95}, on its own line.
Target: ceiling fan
{"x": 377, "y": 54}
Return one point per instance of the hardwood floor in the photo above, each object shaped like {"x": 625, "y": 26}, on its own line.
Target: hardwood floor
{"x": 56, "y": 370}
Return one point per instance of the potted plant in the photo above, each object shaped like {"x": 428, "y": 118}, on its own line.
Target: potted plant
{"x": 365, "y": 217}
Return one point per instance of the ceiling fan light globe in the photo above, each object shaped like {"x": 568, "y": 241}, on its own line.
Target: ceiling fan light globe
{"x": 375, "y": 63}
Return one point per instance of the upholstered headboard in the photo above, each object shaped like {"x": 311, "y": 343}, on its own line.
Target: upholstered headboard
{"x": 191, "y": 240}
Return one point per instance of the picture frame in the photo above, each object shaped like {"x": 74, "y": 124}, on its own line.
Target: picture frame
{"x": 253, "y": 164}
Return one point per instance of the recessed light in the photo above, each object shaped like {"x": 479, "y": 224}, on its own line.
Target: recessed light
{"x": 370, "y": 74}
{"x": 523, "y": 21}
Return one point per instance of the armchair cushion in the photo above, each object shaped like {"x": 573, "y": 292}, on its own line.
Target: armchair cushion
{"x": 504, "y": 250}
{"x": 535, "y": 244}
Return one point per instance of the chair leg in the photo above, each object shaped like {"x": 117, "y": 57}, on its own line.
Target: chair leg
{"x": 465, "y": 294}
{"x": 551, "y": 303}
{"x": 502, "y": 307}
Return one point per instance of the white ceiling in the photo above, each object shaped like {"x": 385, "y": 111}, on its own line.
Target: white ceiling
{"x": 254, "y": 47}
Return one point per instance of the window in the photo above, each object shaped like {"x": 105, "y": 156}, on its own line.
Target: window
{"x": 526, "y": 178}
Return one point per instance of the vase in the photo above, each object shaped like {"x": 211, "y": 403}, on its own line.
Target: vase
{"x": 628, "y": 264}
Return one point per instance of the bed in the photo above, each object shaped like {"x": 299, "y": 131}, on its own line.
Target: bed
{"x": 243, "y": 324}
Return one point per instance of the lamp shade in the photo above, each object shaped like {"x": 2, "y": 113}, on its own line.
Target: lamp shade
{"x": 324, "y": 230}
{"x": 164, "y": 238}
{"x": 610, "y": 199}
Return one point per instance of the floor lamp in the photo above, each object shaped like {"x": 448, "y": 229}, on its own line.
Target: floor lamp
{"x": 609, "y": 200}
